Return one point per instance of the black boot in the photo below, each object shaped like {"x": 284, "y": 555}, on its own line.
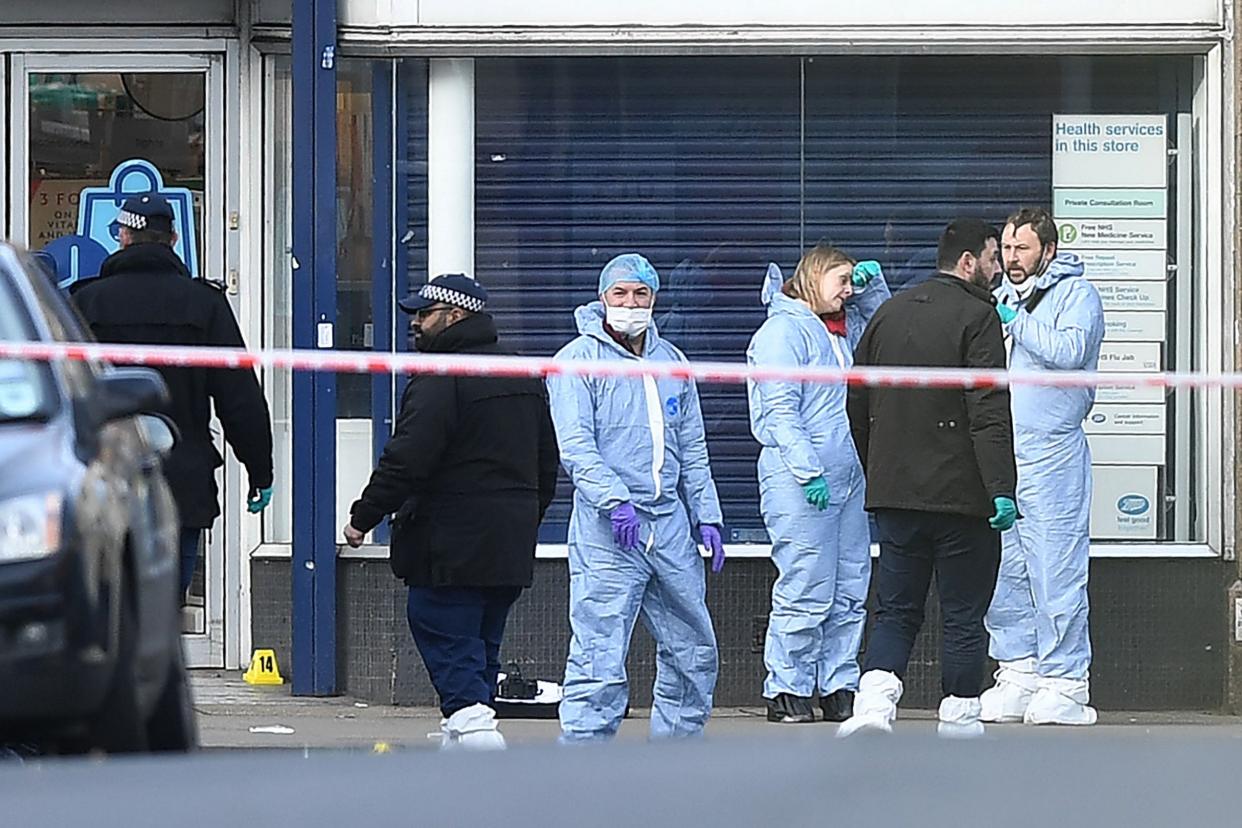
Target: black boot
{"x": 787, "y": 709}
{"x": 837, "y": 706}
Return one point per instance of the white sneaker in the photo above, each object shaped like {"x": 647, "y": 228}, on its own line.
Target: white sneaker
{"x": 1007, "y": 700}
{"x": 959, "y": 718}
{"x": 1061, "y": 701}
{"x": 473, "y": 728}
{"x": 875, "y": 704}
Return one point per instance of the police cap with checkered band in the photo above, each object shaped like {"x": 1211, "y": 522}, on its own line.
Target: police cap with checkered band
{"x": 456, "y": 289}
{"x": 148, "y": 211}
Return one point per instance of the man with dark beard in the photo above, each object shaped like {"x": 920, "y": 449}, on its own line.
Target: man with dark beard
{"x": 469, "y": 472}
{"x": 1038, "y": 622}
{"x": 940, "y": 472}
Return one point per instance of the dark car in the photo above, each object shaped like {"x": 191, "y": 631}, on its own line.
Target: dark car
{"x": 90, "y": 646}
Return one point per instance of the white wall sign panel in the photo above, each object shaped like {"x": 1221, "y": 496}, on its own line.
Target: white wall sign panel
{"x": 1114, "y": 234}
{"x": 1124, "y": 503}
{"x": 790, "y": 12}
{"x": 1133, "y": 296}
{"x": 1130, "y": 394}
{"x": 1133, "y": 357}
{"x": 1127, "y": 419}
{"x": 353, "y": 464}
{"x": 1135, "y": 265}
{"x": 1127, "y": 449}
{"x": 1128, "y": 151}
{"x": 1134, "y": 326}
{"x": 1076, "y": 203}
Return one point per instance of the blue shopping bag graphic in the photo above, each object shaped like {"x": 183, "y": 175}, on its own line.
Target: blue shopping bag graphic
{"x": 98, "y": 207}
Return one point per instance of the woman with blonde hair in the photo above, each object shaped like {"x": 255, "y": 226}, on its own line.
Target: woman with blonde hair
{"x": 811, "y": 483}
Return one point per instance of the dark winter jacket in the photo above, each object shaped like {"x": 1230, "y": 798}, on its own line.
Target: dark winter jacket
{"x": 469, "y": 472}
{"x": 144, "y": 296}
{"x": 934, "y": 450}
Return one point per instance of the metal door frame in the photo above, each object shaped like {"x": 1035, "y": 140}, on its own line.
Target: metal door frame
{"x": 221, "y": 615}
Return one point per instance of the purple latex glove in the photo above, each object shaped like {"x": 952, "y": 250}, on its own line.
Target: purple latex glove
{"x": 712, "y": 540}
{"x": 625, "y": 526}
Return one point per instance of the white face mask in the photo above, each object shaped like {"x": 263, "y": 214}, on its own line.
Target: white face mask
{"x": 629, "y": 322}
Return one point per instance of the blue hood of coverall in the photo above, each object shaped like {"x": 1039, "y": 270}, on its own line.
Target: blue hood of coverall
{"x": 1064, "y": 266}
{"x": 1063, "y": 333}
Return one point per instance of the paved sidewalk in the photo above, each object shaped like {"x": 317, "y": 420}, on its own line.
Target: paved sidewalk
{"x": 234, "y": 715}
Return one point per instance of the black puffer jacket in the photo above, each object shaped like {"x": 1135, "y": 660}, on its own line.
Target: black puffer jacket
{"x": 144, "y": 296}
{"x": 934, "y": 450}
{"x": 469, "y": 471}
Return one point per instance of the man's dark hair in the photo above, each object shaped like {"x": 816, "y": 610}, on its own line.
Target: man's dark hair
{"x": 963, "y": 235}
{"x": 1039, "y": 219}
{"x": 151, "y": 237}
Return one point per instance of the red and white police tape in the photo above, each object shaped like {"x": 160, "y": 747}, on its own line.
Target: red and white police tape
{"x": 366, "y": 362}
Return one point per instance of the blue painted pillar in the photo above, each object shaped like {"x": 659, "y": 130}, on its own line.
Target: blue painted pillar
{"x": 313, "y": 573}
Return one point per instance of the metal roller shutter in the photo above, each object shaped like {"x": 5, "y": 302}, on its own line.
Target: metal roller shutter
{"x": 711, "y": 167}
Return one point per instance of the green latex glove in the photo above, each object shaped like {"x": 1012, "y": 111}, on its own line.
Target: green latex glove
{"x": 1006, "y": 514}
{"x": 817, "y": 493}
{"x": 1006, "y": 313}
{"x": 864, "y": 272}
{"x": 258, "y": 500}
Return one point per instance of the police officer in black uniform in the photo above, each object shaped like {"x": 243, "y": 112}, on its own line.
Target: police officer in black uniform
{"x": 468, "y": 474}
{"x": 144, "y": 295}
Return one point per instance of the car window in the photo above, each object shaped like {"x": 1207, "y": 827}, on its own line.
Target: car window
{"x": 21, "y": 390}
{"x": 25, "y": 389}
{"x": 61, "y": 322}
{"x": 15, "y": 322}
{"x": 64, "y": 326}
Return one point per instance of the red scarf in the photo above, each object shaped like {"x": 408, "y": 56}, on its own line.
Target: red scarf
{"x": 834, "y": 322}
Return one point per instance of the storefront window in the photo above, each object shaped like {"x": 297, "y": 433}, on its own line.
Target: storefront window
{"x": 278, "y": 330}
{"x": 712, "y": 167}
{"x": 381, "y": 241}
{"x": 355, "y": 211}
{"x": 84, "y": 126}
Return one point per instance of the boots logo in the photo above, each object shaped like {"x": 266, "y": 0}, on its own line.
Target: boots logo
{"x": 1133, "y": 504}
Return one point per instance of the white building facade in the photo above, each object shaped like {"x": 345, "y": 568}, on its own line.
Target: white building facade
{"x": 528, "y": 144}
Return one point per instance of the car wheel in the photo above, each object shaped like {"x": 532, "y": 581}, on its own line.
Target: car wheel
{"x": 118, "y": 728}
{"x": 173, "y": 726}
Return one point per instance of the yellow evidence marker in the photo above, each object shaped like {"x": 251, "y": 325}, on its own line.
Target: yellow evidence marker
{"x": 263, "y": 669}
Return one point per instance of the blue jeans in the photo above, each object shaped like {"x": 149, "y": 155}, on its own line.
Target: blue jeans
{"x": 458, "y": 631}
{"x": 190, "y": 540}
